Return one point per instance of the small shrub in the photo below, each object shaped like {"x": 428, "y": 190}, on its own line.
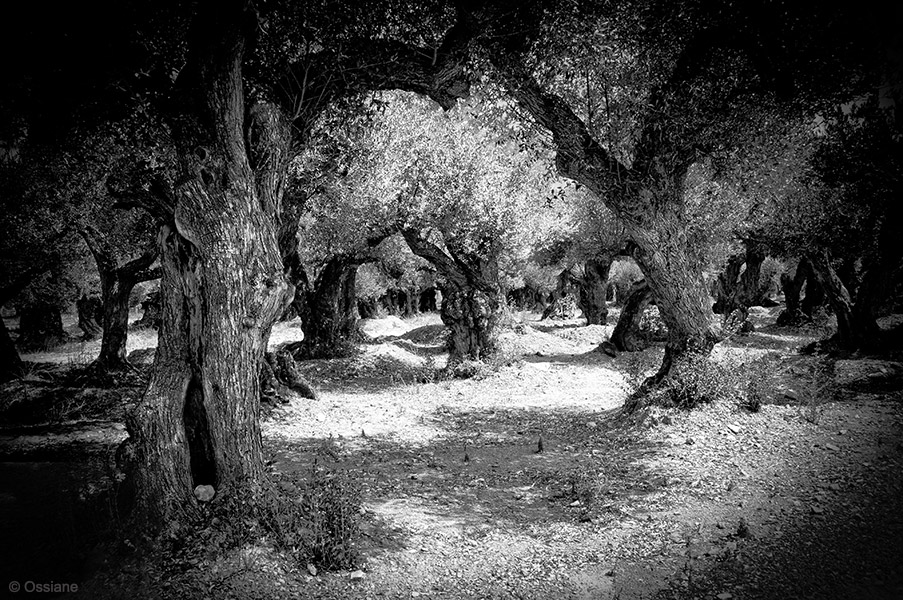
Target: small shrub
{"x": 759, "y": 384}
{"x": 318, "y": 521}
{"x": 696, "y": 380}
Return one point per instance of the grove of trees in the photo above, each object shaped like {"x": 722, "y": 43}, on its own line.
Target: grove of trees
{"x": 254, "y": 155}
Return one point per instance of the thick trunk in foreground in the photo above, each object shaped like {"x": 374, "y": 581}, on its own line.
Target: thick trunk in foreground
{"x": 10, "y": 363}
{"x": 626, "y": 335}
{"x": 41, "y": 327}
{"x": 676, "y": 285}
{"x": 197, "y": 424}
{"x": 593, "y": 291}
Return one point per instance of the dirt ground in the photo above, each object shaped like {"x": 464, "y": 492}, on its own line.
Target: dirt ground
{"x": 801, "y": 499}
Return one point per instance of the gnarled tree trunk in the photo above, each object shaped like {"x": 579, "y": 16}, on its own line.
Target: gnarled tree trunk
{"x": 471, "y": 297}
{"x": 472, "y": 317}
{"x": 222, "y": 287}
{"x": 678, "y": 288}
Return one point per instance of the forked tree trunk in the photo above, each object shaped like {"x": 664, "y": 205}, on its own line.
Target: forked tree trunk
{"x": 593, "y": 291}
{"x": 41, "y": 327}
{"x": 626, "y": 335}
{"x": 10, "y": 363}
{"x": 116, "y": 285}
{"x": 792, "y": 287}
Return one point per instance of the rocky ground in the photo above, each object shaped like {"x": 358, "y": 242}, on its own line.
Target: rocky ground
{"x": 801, "y": 499}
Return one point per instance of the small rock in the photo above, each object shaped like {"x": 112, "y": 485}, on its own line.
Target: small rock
{"x": 832, "y": 447}
{"x": 734, "y": 428}
{"x": 689, "y": 441}
{"x": 592, "y": 425}
{"x": 817, "y": 510}
{"x": 312, "y": 569}
{"x": 204, "y": 493}
{"x": 356, "y": 574}
{"x": 667, "y": 420}
{"x": 725, "y": 596}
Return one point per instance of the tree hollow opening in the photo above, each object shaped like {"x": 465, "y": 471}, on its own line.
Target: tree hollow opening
{"x": 197, "y": 432}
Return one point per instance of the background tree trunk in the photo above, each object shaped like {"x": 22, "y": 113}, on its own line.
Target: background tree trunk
{"x": 855, "y": 330}
{"x": 593, "y": 291}
{"x": 152, "y": 316}
{"x": 10, "y": 363}
{"x": 330, "y": 312}
{"x": 41, "y": 327}
{"x": 792, "y": 288}
{"x": 90, "y": 315}
{"x": 471, "y": 316}
{"x": 626, "y": 335}
{"x": 471, "y": 297}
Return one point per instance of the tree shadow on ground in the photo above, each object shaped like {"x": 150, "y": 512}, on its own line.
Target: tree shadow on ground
{"x": 841, "y": 541}
{"x": 486, "y": 470}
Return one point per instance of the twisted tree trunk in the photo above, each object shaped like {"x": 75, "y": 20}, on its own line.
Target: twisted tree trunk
{"x": 471, "y": 296}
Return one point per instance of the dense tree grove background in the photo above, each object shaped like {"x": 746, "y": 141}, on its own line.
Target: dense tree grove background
{"x": 267, "y": 160}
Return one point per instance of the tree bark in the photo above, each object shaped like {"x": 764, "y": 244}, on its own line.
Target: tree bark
{"x": 646, "y": 195}
{"x": 472, "y": 317}
{"x": 10, "y": 363}
{"x": 223, "y": 282}
{"x": 593, "y": 291}
{"x": 626, "y": 335}
{"x": 222, "y": 288}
